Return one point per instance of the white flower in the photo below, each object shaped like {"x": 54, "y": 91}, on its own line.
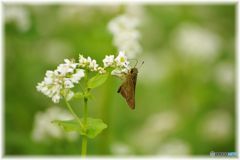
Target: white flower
{"x": 158, "y": 126}
{"x": 121, "y": 60}
{"x": 126, "y": 37}
{"x": 120, "y": 64}
{"x": 41, "y": 87}
{"x": 108, "y": 60}
{"x": 93, "y": 65}
{"x": 56, "y": 98}
{"x": 70, "y": 63}
{"x": 196, "y": 42}
{"x": 216, "y": 126}
{"x": 119, "y": 72}
{"x": 57, "y": 83}
{"x": 174, "y": 147}
{"x": 67, "y": 67}
{"x": 132, "y": 48}
{"x": 69, "y": 95}
{"x": 118, "y": 148}
{"x": 19, "y": 16}
{"x": 76, "y": 77}
{"x": 43, "y": 129}
{"x": 123, "y": 22}
{"x": 82, "y": 61}
{"x": 50, "y": 86}
{"x": 49, "y": 77}
{"x": 224, "y": 75}
{"x": 125, "y": 34}
{"x": 101, "y": 70}
{"x": 68, "y": 83}
{"x": 88, "y": 63}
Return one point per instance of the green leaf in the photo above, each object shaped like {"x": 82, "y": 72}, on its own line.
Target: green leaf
{"x": 79, "y": 95}
{"x": 94, "y": 126}
{"x": 69, "y": 125}
{"x": 97, "y": 80}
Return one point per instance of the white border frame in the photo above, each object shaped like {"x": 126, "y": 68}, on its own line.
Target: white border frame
{"x": 92, "y": 2}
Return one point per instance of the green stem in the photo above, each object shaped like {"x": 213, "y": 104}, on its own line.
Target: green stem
{"x": 84, "y": 146}
{"x": 85, "y": 115}
{"x": 85, "y": 112}
{"x": 73, "y": 113}
{"x": 84, "y": 140}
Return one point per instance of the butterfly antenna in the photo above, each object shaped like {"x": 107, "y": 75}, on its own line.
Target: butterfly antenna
{"x": 134, "y": 60}
{"x": 136, "y": 63}
{"x": 141, "y": 64}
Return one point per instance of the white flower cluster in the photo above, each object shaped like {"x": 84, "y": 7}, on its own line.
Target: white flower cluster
{"x": 90, "y": 63}
{"x": 196, "y": 42}
{"x": 44, "y": 130}
{"x": 125, "y": 34}
{"x": 58, "y": 83}
{"x": 19, "y": 16}
{"x": 120, "y": 64}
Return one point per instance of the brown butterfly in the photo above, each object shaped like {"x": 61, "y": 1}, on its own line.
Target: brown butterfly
{"x": 127, "y": 89}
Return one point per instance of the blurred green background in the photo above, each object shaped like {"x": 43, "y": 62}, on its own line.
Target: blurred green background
{"x": 185, "y": 95}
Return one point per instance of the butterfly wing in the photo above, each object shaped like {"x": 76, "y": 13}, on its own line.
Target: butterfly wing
{"x": 127, "y": 89}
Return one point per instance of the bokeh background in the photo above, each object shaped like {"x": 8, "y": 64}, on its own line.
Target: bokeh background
{"x": 185, "y": 96}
